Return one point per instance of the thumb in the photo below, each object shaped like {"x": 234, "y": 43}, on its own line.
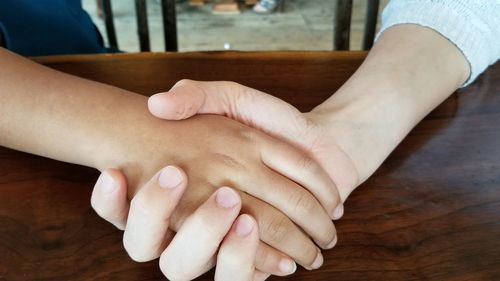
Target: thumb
{"x": 185, "y": 99}
{"x": 188, "y": 98}
{"x": 238, "y": 102}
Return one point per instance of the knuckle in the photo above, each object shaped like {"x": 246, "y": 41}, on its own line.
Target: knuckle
{"x": 231, "y": 85}
{"x": 183, "y": 82}
{"x": 227, "y": 160}
{"x": 308, "y": 164}
{"x": 305, "y": 204}
{"x": 279, "y": 228}
{"x": 248, "y": 136}
{"x": 141, "y": 205}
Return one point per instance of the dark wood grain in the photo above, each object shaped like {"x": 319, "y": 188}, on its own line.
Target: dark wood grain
{"x": 431, "y": 212}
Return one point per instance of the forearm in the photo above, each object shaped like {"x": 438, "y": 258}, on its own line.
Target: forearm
{"x": 63, "y": 117}
{"x": 409, "y": 71}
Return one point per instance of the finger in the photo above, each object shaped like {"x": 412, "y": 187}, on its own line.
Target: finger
{"x": 293, "y": 200}
{"x": 198, "y": 239}
{"x": 272, "y": 261}
{"x": 279, "y": 232}
{"x": 109, "y": 198}
{"x": 304, "y": 170}
{"x": 235, "y": 260}
{"x": 268, "y": 259}
{"x": 260, "y": 276}
{"x": 146, "y": 233}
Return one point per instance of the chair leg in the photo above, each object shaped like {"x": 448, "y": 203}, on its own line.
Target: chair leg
{"x": 142, "y": 25}
{"x": 169, "y": 25}
{"x": 342, "y": 24}
{"x": 110, "y": 26}
{"x": 281, "y": 6}
{"x": 370, "y": 23}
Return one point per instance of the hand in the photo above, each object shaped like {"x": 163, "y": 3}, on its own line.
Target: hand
{"x": 266, "y": 113}
{"x": 351, "y": 133}
{"x": 216, "y": 151}
{"x": 215, "y": 225}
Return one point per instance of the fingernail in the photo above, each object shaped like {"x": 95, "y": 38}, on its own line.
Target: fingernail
{"x": 106, "y": 183}
{"x": 287, "y": 266}
{"x": 318, "y": 262}
{"x": 338, "y": 212}
{"x": 333, "y": 243}
{"x": 170, "y": 177}
{"x": 226, "y": 197}
{"x": 244, "y": 226}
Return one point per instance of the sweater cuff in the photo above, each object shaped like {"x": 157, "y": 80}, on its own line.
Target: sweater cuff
{"x": 453, "y": 21}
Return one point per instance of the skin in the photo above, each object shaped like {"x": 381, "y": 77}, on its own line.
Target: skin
{"x": 70, "y": 119}
{"x": 215, "y": 229}
{"x": 397, "y": 85}
{"x": 409, "y": 71}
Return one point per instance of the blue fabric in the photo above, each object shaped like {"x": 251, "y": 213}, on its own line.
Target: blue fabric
{"x": 48, "y": 27}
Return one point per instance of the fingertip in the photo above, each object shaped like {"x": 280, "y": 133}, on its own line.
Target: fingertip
{"x": 318, "y": 261}
{"x": 171, "y": 177}
{"x": 111, "y": 181}
{"x": 332, "y": 243}
{"x": 105, "y": 183}
{"x": 338, "y": 212}
{"x": 157, "y": 106}
{"x": 118, "y": 178}
{"x": 244, "y": 225}
{"x": 287, "y": 266}
{"x": 227, "y": 198}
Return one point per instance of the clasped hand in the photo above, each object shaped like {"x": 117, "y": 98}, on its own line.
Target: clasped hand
{"x": 285, "y": 186}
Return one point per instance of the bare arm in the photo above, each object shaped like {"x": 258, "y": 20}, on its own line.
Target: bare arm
{"x": 60, "y": 116}
{"x": 67, "y": 118}
{"x": 410, "y": 71}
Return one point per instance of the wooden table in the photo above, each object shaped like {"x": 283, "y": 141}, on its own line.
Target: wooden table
{"x": 431, "y": 212}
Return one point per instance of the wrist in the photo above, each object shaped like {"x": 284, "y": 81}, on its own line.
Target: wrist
{"x": 409, "y": 71}
{"x": 368, "y": 118}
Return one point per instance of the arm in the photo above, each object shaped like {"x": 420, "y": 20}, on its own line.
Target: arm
{"x": 409, "y": 72}
{"x": 67, "y": 118}
{"x": 40, "y": 105}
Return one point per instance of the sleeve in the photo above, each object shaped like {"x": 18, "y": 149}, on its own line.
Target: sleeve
{"x": 472, "y": 25}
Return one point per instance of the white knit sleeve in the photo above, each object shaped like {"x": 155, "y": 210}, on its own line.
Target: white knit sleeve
{"x": 472, "y": 25}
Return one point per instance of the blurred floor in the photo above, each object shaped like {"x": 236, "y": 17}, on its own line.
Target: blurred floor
{"x": 305, "y": 25}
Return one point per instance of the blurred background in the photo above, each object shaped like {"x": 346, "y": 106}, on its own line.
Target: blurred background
{"x": 235, "y": 25}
